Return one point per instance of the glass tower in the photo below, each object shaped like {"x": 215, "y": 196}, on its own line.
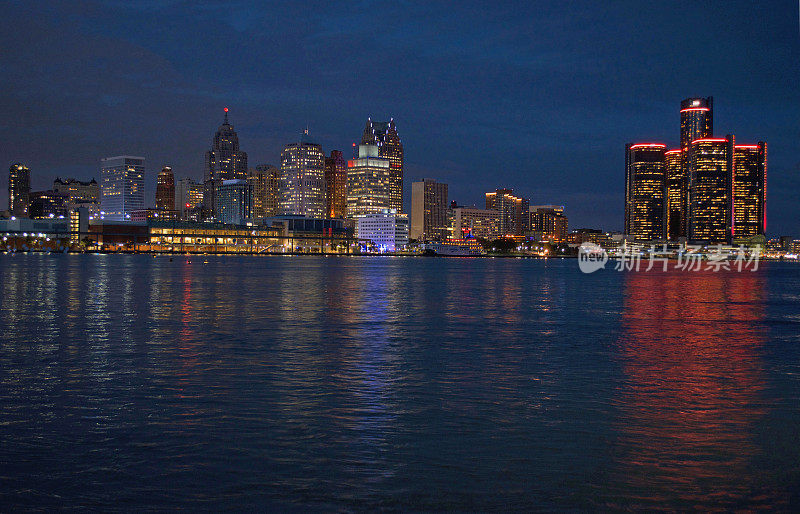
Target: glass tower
{"x": 645, "y": 187}
{"x": 122, "y": 186}
{"x": 749, "y": 190}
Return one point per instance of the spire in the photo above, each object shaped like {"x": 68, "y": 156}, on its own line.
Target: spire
{"x": 226, "y": 117}
{"x": 368, "y": 137}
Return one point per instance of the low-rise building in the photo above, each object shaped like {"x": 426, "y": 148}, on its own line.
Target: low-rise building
{"x": 387, "y": 230}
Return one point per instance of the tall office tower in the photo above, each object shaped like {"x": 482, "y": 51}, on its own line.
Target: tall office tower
{"x": 79, "y": 192}
{"x": 122, "y": 186}
{"x": 697, "y": 120}
{"x": 165, "y": 189}
{"x": 335, "y": 185}
{"x": 645, "y": 185}
{"x": 749, "y": 190}
{"x": 514, "y": 211}
{"x": 19, "y": 189}
{"x": 367, "y": 182}
{"x": 303, "y": 179}
{"x": 549, "y": 222}
{"x": 429, "y": 221}
{"x": 223, "y": 162}
{"x": 234, "y": 201}
{"x": 265, "y": 180}
{"x": 384, "y": 134}
{"x": 188, "y": 198}
{"x": 675, "y": 209}
{"x": 710, "y": 162}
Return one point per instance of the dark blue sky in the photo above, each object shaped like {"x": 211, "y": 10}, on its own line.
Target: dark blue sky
{"x": 538, "y": 96}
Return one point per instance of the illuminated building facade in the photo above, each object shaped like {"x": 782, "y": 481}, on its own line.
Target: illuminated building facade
{"x": 367, "y": 182}
{"x": 384, "y": 134}
{"x": 302, "y": 179}
{"x": 48, "y": 204}
{"x": 79, "y": 192}
{"x": 265, "y": 180}
{"x": 165, "y": 189}
{"x": 19, "y": 189}
{"x": 429, "y": 220}
{"x": 749, "y": 190}
{"x": 514, "y": 211}
{"x": 188, "y": 198}
{"x": 710, "y": 163}
{"x": 479, "y": 223}
{"x": 645, "y": 187}
{"x": 122, "y": 186}
{"x": 387, "y": 230}
{"x": 697, "y": 120}
{"x": 676, "y": 194}
{"x": 336, "y": 185}
{"x": 234, "y": 202}
{"x": 549, "y": 222}
{"x": 225, "y": 161}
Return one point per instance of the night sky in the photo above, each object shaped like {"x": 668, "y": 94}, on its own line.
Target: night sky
{"x": 537, "y": 96}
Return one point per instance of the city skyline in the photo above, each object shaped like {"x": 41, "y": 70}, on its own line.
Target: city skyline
{"x": 512, "y": 135}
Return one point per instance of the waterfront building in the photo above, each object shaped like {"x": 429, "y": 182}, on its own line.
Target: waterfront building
{"x": 189, "y": 198}
{"x": 336, "y": 185}
{"x": 302, "y": 179}
{"x": 645, "y": 186}
{"x": 676, "y": 194}
{"x": 749, "y": 190}
{"x": 122, "y": 186}
{"x": 384, "y": 134}
{"x": 265, "y": 180}
{"x": 48, "y": 204}
{"x": 165, "y": 189}
{"x": 473, "y": 222}
{"x": 429, "y": 220}
{"x": 710, "y": 163}
{"x": 155, "y": 214}
{"x": 19, "y": 189}
{"x": 224, "y": 161}
{"x": 514, "y": 211}
{"x": 549, "y": 223}
{"x": 234, "y": 201}
{"x": 367, "y": 181}
{"x": 387, "y": 230}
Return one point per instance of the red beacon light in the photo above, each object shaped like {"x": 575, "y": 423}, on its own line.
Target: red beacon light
{"x": 225, "y": 109}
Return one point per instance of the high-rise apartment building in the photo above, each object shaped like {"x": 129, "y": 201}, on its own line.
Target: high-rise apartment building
{"x": 645, "y": 186}
{"x": 19, "y": 189}
{"x": 165, "y": 190}
{"x": 122, "y": 186}
{"x": 514, "y": 211}
{"x": 303, "y": 179}
{"x": 384, "y": 134}
{"x": 225, "y": 161}
{"x": 749, "y": 190}
{"x": 710, "y": 162}
{"x": 676, "y": 194}
{"x": 336, "y": 185}
{"x": 234, "y": 201}
{"x": 367, "y": 182}
{"x": 265, "y": 180}
{"x": 478, "y": 223}
{"x": 549, "y": 222}
{"x": 429, "y": 220}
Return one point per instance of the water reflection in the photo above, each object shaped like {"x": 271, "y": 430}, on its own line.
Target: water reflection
{"x": 692, "y": 391}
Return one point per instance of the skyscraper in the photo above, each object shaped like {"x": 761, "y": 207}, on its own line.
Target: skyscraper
{"x": 645, "y": 185}
{"x": 514, "y": 211}
{"x": 549, "y": 222}
{"x": 122, "y": 186}
{"x": 165, "y": 190}
{"x": 19, "y": 189}
{"x": 749, "y": 190}
{"x": 336, "y": 185}
{"x": 697, "y": 120}
{"x": 265, "y": 180}
{"x": 710, "y": 162}
{"x": 384, "y": 134}
{"x": 188, "y": 198}
{"x": 303, "y": 179}
{"x": 234, "y": 201}
{"x": 429, "y": 211}
{"x": 79, "y": 192}
{"x": 223, "y": 162}
{"x": 367, "y": 182}
{"x": 675, "y": 209}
